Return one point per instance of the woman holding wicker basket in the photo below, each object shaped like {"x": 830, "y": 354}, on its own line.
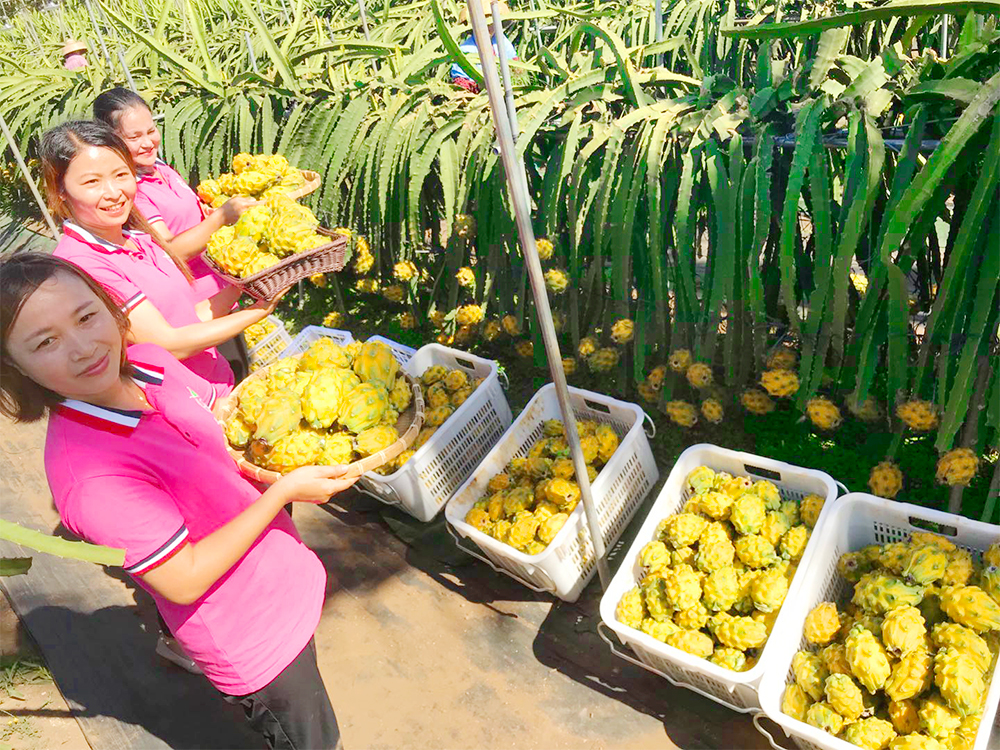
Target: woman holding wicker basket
{"x": 136, "y": 460}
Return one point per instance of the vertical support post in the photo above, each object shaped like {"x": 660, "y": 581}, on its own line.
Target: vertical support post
{"x": 534, "y": 23}
{"x": 944, "y": 37}
{"x": 505, "y": 71}
{"x": 253, "y": 57}
{"x": 27, "y": 177}
{"x": 145, "y": 14}
{"x": 118, "y": 47}
{"x": 364, "y": 20}
{"x": 98, "y": 32}
{"x": 517, "y": 185}
{"x": 658, "y": 24}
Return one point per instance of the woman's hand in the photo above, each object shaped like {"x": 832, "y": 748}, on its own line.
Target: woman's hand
{"x": 268, "y": 305}
{"x": 233, "y": 208}
{"x": 314, "y": 484}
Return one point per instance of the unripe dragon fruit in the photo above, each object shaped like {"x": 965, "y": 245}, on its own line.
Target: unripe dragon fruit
{"x": 992, "y": 555}
{"x": 989, "y": 582}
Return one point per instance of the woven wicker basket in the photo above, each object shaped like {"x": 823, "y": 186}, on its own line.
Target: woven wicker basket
{"x": 408, "y": 425}
{"x": 268, "y": 283}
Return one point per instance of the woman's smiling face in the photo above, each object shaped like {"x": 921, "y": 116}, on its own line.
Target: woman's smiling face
{"x": 66, "y": 340}
{"x": 99, "y": 188}
{"x": 137, "y": 129}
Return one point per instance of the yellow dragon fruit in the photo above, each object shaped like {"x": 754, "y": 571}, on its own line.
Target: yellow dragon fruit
{"x": 721, "y": 588}
{"x": 769, "y": 590}
{"x": 363, "y": 407}
{"x": 716, "y": 505}
{"x": 822, "y": 623}
{"x": 885, "y": 480}
{"x": 960, "y": 681}
{"x": 868, "y": 660}
{"x": 810, "y": 674}
{"x": 699, "y": 375}
{"x": 323, "y": 395}
{"x": 903, "y": 629}
{"x": 603, "y": 359}
{"x": 551, "y": 526}
{"x": 903, "y": 715}
{"x": 252, "y": 395}
{"x": 782, "y": 358}
{"x": 238, "y": 431}
{"x": 952, "y": 635}
{"x": 768, "y": 492}
{"x": 936, "y": 718}
{"x": 253, "y": 223}
{"x": 711, "y": 409}
{"x": 683, "y": 529}
{"x": 925, "y": 564}
{"x": 844, "y": 695}
{"x": 835, "y": 659}
{"x": 338, "y": 449}
{"x": 630, "y": 610}
{"x": 893, "y": 557}
{"x": 911, "y": 675}
{"x": 916, "y": 741}
{"x": 375, "y": 439}
{"x": 400, "y": 395}
{"x": 823, "y": 413}
{"x": 877, "y": 593}
{"x": 754, "y": 551}
{"x": 756, "y": 401}
{"x": 622, "y": 331}
{"x": 556, "y": 280}
{"x": 693, "y": 642}
{"x": 957, "y": 467}
{"x": 654, "y": 596}
{"x": 279, "y": 416}
{"x": 711, "y": 557}
{"x": 918, "y": 415}
{"x": 871, "y": 733}
{"x": 992, "y": 555}
{"x": 692, "y": 618}
{"x": 972, "y": 607}
{"x": 823, "y": 716}
{"x": 375, "y": 364}
{"x": 682, "y": 587}
{"x": 795, "y": 702}
{"x": 747, "y": 514}
{"x": 737, "y": 632}
{"x": 654, "y": 556}
{"x": 680, "y": 360}
{"x": 660, "y": 630}
{"x": 301, "y": 447}
{"x": 682, "y": 413}
{"x": 780, "y": 383}
{"x": 810, "y": 508}
{"x": 730, "y": 658}
{"x": 700, "y": 479}
{"x": 793, "y": 543}
{"x": 989, "y": 581}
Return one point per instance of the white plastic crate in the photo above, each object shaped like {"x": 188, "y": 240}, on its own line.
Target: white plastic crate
{"x": 311, "y": 334}
{"x": 424, "y": 484}
{"x": 568, "y": 563}
{"x": 857, "y": 520}
{"x": 735, "y": 690}
{"x": 270, "y": 347}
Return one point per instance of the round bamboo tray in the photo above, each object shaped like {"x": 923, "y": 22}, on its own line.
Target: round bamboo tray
{"x": 408, "y": 425}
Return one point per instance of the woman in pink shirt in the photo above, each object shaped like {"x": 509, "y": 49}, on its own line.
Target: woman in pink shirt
{"x": 135, "y": 460}
{"x": 167, "y": 202}
{"x": 91, "y": 184}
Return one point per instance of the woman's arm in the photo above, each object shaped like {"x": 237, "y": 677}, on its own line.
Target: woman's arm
{"x": 219, "y": 305}
{"x": 186, "y": 576}
{"x": 188, "y": 244}
{"x": 149, "y": 326}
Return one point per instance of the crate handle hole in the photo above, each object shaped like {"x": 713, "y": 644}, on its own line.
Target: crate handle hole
{"x": 597, "y": 407}
{"x": 937, "y": 528}
{"x": 767, "y": 473}
{"x": 465, "y": 363}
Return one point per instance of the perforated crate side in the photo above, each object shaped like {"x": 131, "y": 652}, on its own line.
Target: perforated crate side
{"x": 310, "y": 334}
{"x": 270, "y": 347}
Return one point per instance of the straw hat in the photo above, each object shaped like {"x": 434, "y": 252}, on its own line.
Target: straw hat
{"x": 71, "y": 46}
{"x": 463, "y": 15}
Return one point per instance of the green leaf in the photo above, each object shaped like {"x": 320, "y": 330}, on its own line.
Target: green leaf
{"x": 452, "y": 46}
{"x": 14, "y": 566}
{"x": 277, "y": 57}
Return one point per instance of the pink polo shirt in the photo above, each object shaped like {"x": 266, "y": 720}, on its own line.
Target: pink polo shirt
{"x": 151, "y": 482}
{"x": 145, "y": 271}
{"x": 163, "y": 195}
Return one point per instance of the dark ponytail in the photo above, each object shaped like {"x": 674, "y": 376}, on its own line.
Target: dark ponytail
{"x": 113, "y": 103}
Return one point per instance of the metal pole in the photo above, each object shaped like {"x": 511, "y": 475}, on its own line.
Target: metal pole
{"x": 658, "y": 23}
{"x": 97, "y": 30}
{"x": 364, "y": 20}
{"x": 253, "y": 57}
{"x": 505, "y": 71}
{"x": 28, "y": 178}
{"x": 517, "y": 184}
{"x": 534, "y": 22}
{"x": 118, "y": 47}
{"x": 944, "y": 37}
{"x": 145, "y": 13}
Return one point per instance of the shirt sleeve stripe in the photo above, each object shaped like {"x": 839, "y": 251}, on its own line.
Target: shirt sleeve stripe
{"x": 134, "y": 301}
{"x": 161, "y": 555}
{"x": 154, "y": 218}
